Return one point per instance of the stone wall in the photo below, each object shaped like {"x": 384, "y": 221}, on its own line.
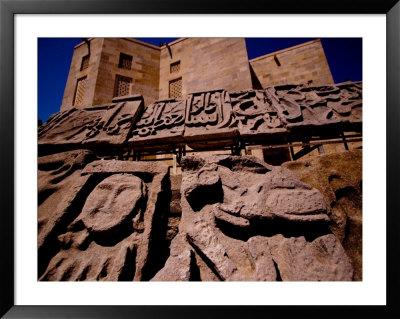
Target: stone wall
{"x": 75, "y": 73}
{"x": 144, "y": 71}
{"x": 205, "y": 64}
{"x": 104, "y": 67}
{"x": 299, "y": 64}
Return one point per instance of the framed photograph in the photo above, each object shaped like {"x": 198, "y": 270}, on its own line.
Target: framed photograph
{"x": 22, "y": 24}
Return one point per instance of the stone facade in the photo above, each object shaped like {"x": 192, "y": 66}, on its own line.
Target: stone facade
{"x": 144, "y": 70}
{"x": 299, "y": 64}
{"x": 88, "y": 74}
{"x": 104, "y": 68}
{"x": 205, "y": 64}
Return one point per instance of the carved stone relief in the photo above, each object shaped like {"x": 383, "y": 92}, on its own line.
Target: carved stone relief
{"x": 255, "y": 114}
{"x": 300, "y": 106}
{"x": 161, "y": 122}
{"x": 208, "y": 119}
{"x": 106, "y": 125}
{"x": 209, "y": 115}
{"x": 57, "y": 173}
{"x": 108, "y": 223}
{"x": 348, "y": 102}
{"x": 243, "y": 219}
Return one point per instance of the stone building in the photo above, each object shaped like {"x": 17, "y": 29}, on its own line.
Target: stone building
{"x": 104, "y": 68}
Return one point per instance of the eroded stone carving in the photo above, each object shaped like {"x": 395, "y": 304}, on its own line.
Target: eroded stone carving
{"x": 208, "y": 119}
{"x": 106, "y": 222}
{"x": 322, "y": 259}
{"x": 161, "y": 122}
{"x": 233, "y": 209}
{"x": 106, "y": 125}
{"x": 348, "y": 102}
{"x": 57, "y": 173}
{"x": 242, "y": 219}
{"x": 255, "y": 114}
{"x": 301, "y": 106}
{"x": 209, "y": 115}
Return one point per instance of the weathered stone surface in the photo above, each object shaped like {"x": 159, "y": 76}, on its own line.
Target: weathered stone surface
{"x": 300, "y": 106}
{"x": 82, "y": 259}
{"x": 202, "y": 237}
{"x": 216, "y": 118}
{"x": 274, "y": 195}
{"x": 242, "y": 220}
{"x": 106, "y": 125}
{"x": 263, "y": 262}
{"x": 296, "y": 204}
{"x": 56, "y": 174}
{"x": 339, "y": 178}
{"x": 347, "y": 103}
{"x": 208, "y": 119}
{"x": 323, "y": 259}
{"x": 161, "y": 122}
{"x": 232, "y": 210}
{"x": 209, "y": 116}
{"x": 255, "y": 114}
{"x": 112, "y": 203}
{"x": 179, "y": 266}
{"x": 109, "y": 225}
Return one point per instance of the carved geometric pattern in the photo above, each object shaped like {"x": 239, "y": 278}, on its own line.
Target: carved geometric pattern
{"x": 80, "y": 91}
{"x": 175, "y": 88}
{"x": 85, "y": 62}
{"x": 122, "y": 85}
{"x": 125, "y": 61}
{"x": 175, "y": 67}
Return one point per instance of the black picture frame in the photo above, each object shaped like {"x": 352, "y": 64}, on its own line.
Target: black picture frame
{"x": 8, "y": 9}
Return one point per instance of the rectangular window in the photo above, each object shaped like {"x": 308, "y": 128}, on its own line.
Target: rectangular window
{"x": 175, "y": 67}
{"x": 175, "y": 88}
{"x": 122, "y": 85}
{"x": 85, "y": 62}
{"x": 80, "y": 91}
{"x": 125, "y": 61}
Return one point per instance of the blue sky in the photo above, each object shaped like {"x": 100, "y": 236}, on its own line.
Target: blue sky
{"x": 344, "y": 56}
